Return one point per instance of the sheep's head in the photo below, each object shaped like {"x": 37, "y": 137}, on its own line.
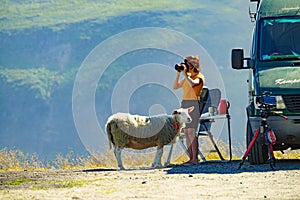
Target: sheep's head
{"x": 183, "y": 113}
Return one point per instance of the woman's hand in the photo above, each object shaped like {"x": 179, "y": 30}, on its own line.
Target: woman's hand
{"x": 184, "y": 68}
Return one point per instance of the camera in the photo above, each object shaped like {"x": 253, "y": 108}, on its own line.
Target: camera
{"x": 179, "y": 67}
{"x": 266, "y": 102}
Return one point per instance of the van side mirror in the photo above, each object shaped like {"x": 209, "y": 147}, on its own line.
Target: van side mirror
{"x": 237, "y": 58}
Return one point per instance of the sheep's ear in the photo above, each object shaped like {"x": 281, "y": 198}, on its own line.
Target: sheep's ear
{"x": 175, "y": 112}
{"x": 190, "y": 109}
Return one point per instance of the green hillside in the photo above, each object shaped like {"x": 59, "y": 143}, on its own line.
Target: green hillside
{"x": 57, "y": 13}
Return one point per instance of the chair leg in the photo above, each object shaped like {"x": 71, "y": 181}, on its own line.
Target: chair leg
{"x": 201, "y": 155}
{"x": 181, "y": 142}
{"x": 215, "y": 145}
{"x": 213, "y": 141}
{"x": 183, "y": 146}
{"x": 199, "y": 151}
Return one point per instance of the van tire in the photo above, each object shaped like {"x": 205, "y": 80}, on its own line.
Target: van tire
{"x": 259, "y": 151}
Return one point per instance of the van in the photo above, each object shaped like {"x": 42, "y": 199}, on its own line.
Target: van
{"x": 274, "y": 68}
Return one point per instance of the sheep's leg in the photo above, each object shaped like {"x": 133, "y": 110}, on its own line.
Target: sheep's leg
{"x": 169, "y": 156}
{"x": 158, "y": 155}
{"x": 117, "y": 152}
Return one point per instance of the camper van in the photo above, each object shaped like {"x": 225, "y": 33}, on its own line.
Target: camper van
{"x": 274, "y": 69}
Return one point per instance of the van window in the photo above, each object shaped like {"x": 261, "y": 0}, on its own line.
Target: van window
{"x": 279, "y": 39}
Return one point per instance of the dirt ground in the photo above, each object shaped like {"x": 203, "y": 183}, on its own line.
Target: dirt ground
{"x": 211, "y": 180}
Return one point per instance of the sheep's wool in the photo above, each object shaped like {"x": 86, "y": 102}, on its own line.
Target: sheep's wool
{"x": 124, "y": 126}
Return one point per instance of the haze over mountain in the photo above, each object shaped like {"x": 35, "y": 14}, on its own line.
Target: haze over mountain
{"x": 44, "y": 43}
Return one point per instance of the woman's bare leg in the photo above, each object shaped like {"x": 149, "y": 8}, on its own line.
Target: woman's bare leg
{"x": 192, "y": 145}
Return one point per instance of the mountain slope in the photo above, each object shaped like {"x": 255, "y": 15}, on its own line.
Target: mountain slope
{"x": 45, "y": 41}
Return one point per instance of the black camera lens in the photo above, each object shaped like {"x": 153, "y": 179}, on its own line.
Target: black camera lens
{"x": 178, "y": 67}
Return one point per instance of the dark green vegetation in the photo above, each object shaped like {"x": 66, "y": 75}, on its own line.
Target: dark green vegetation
{"x": 43, "y": 43}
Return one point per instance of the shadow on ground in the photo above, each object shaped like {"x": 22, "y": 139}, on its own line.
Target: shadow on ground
{"x": 215, "y": 167}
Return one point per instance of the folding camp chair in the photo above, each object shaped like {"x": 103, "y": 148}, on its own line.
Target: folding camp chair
{"x": 207, "y": 119}
{"x": 205, "y": 124}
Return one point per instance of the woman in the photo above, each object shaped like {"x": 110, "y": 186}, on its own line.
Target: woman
{"x": 192, "y": 84}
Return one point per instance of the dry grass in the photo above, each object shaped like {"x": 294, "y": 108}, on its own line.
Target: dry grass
{"x": 15, "y": 159}
{"x": 287, "y": 154}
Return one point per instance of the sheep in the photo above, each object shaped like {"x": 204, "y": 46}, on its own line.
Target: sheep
{"x": 125, "y": 130}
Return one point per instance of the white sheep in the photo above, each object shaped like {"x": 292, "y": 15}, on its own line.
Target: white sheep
{"x": 140, "y": 132}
